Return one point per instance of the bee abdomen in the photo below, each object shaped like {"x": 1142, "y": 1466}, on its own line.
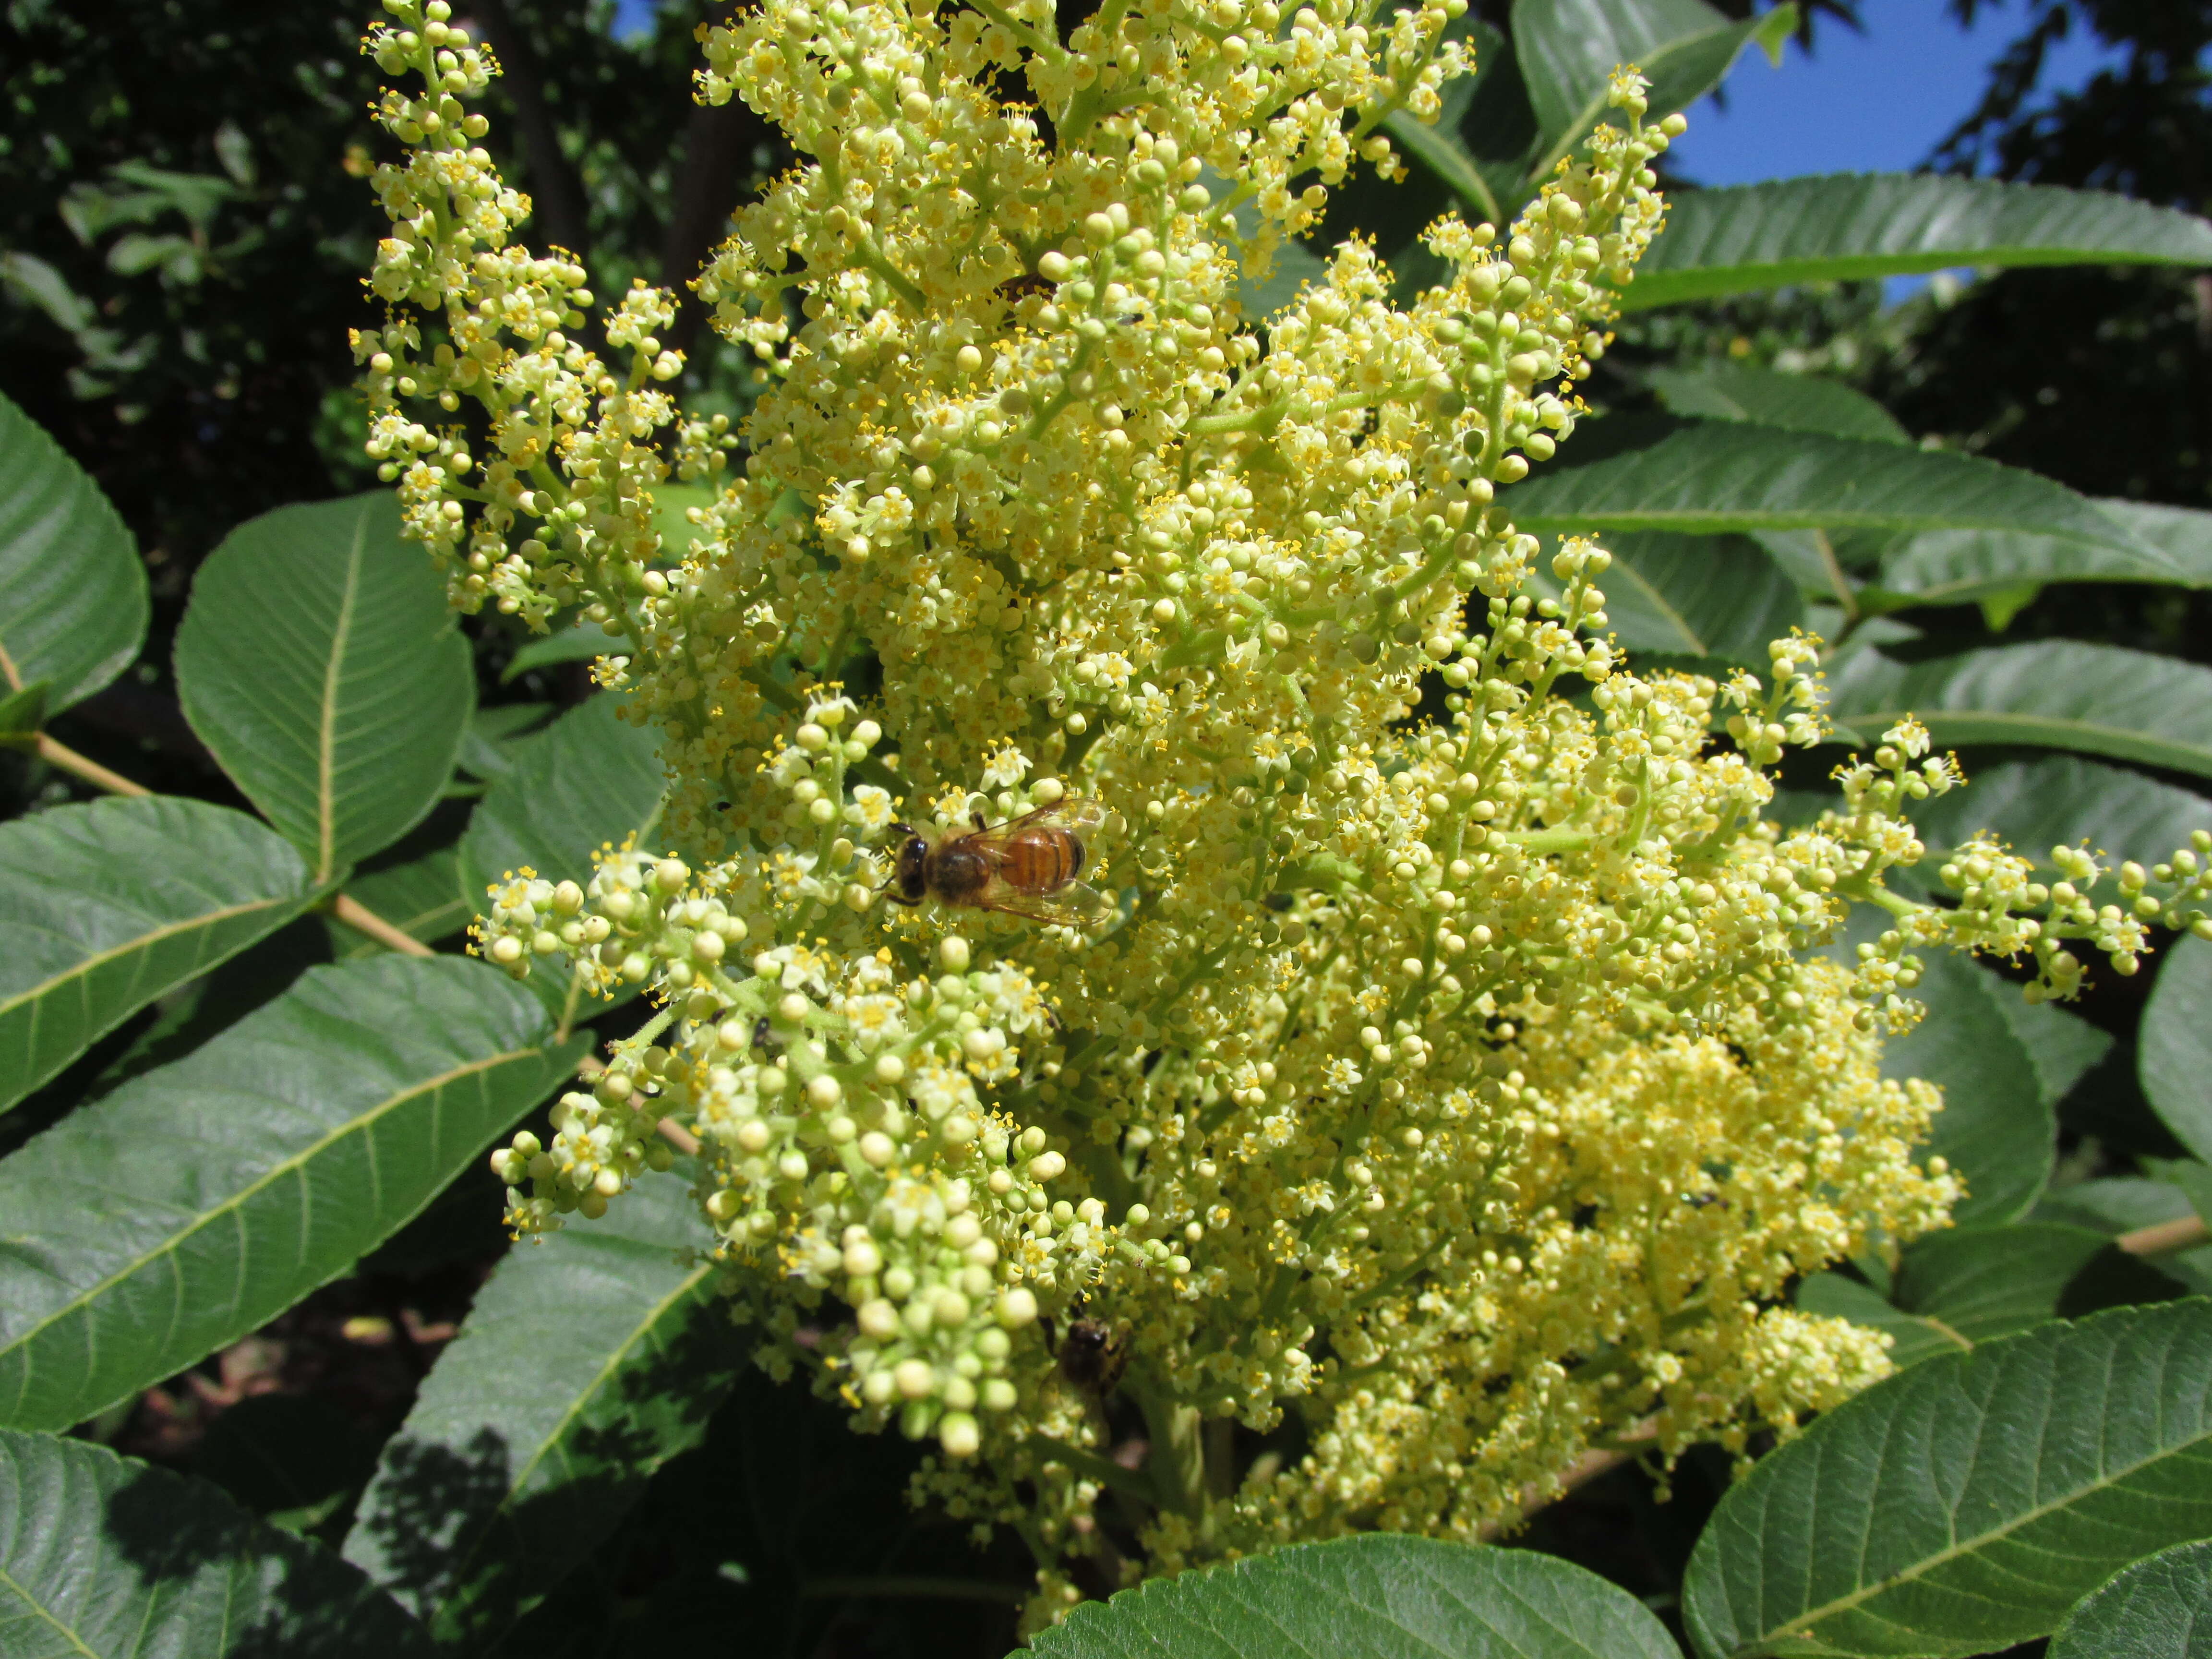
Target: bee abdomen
{"x": 1042, "y": 860}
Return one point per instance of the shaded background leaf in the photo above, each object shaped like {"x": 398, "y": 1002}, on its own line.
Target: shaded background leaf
{"x": 2175, "y": 1059}
{"x": 103, "y": 1558}
{"x": 588, "y": 779}
{"x": 73, "y": 602}
{"x": 520, "y": 1456}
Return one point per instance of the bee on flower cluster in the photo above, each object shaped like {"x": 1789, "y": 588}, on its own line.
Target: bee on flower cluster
{"x": 1026, "y": 867}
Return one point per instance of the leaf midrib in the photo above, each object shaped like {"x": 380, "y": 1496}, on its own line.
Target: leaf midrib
{"x": 326, "y": 718}
{"x": 232, "y": 1204}
{"x": 39, "y": 1607}
{"x": 1929, "y": 1564}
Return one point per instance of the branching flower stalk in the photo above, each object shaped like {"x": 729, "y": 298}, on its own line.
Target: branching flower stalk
{"x": 1460, "y": 1086}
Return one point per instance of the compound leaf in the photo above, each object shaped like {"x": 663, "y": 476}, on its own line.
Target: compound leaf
{"x": 520, "y": 1454}
{"x": 1380, "y": 1596}
{"x": 73, "y": 603}
{"x": 320, "y": 664}
{"x": 1967, "y": 1504}
{"x": 110, "y": 905}
{"x": 1845, "y": 226}
{"x": 103, "y": 1557}
{"x": 199, "y": 1200}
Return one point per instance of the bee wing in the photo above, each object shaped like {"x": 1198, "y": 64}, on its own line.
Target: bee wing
{"x": 1076, "y": 812}
{"x": 1074, "y": 904}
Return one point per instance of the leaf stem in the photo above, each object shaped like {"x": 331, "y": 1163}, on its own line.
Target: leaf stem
{"x": 358, "y": 917}
{"x": 61, "y": 755}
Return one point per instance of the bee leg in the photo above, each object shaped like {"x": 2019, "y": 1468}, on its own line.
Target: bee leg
{"x": 980, "y": 822}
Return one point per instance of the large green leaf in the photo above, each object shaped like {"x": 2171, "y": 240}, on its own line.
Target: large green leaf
{"x": 2033, "y": 805}
{"x": 1719, "y": 597}
{"x": 73, "y": 601}
{"x": 110, "y": 905}
{"x": 1997, "y": 1127}
{"x": 2182, "y": 534}
{"x": 1767, "y": 397}
{"x": 1893, "y": 224}
{"x": 2174, "y": 1060}
{"x": 2055, "y": 694}
{"x": 2159, "y": 1607}
{"x": 1382, "y": 1595}
{"x": 586, "y": 781}
{"x": 1993, "y": 1281}
{"x": 1569, "y": 49}
{"x": 1639, "y": 473}
{"x": 200, "y": 1199}
{"x": 102, "y": 1557}
{"x": 1915, "y": 1337}
{"x": 1961, "y": 567}
{"x": 586, "y": 1362}
{"x": 1965, "y": 1505}
{"x": 319, "y": 662}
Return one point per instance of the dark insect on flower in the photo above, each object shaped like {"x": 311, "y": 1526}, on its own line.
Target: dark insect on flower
{"x": 1025, "y": 867}
{"x": 1015, "y": 290}
{"x": 1093, "y": 1355}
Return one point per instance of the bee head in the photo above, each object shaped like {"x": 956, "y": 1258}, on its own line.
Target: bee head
{"x": 908, "y": 867}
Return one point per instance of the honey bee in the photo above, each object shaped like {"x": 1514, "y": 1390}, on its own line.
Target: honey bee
{"x": 1093, "y": 1355}
{"x": 1026, "y": 867}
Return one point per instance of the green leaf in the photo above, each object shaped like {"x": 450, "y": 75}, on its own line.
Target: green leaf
{"x": 2055, "y": 694}
{"x": 1438, "y": 149}
{"x": 522, "y": 1452}
{"x": 103, "y": 1557}
{"x": 2159, "y": 1607}
{"x": 1959, "y": 567}
{"x": 584, "y": 642}
{"x": 1992, "y": 1281}
{"x": 586, "y": 781}
{"x": 423, "y": 897}
{"x": 1846, "y": 226}
{"x": 1965, "y": 1505}
{"x": 672, "y": 508}
{"x": 1838, "y": 1296}
{"x": 1704, "y": 596}
{"x": 1378, "y": 1595}
{"x": 1767, "y": 397}
{"x": 1625, "y": 472}
{"x": 1569, "y": 50}
{"x": 110, "y": 905}
{"x": 199, "y": 1200}
{"x": 487, "y": 747}
{"x": 73, "y": 603}
{"x": 2174, "y": 1060}
{"x": 318, "y": 661}
{"x": 1997, "y": 1127}
{"x": 2183, "y": 535}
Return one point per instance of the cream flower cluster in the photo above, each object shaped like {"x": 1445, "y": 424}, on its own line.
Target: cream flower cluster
{"x": 1451, "y": 1072}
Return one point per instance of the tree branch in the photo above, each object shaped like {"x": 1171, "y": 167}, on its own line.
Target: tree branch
{"x": 719, "y": 140}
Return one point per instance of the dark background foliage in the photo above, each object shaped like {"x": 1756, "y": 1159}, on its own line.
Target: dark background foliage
{"x": 184, "y": 223}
